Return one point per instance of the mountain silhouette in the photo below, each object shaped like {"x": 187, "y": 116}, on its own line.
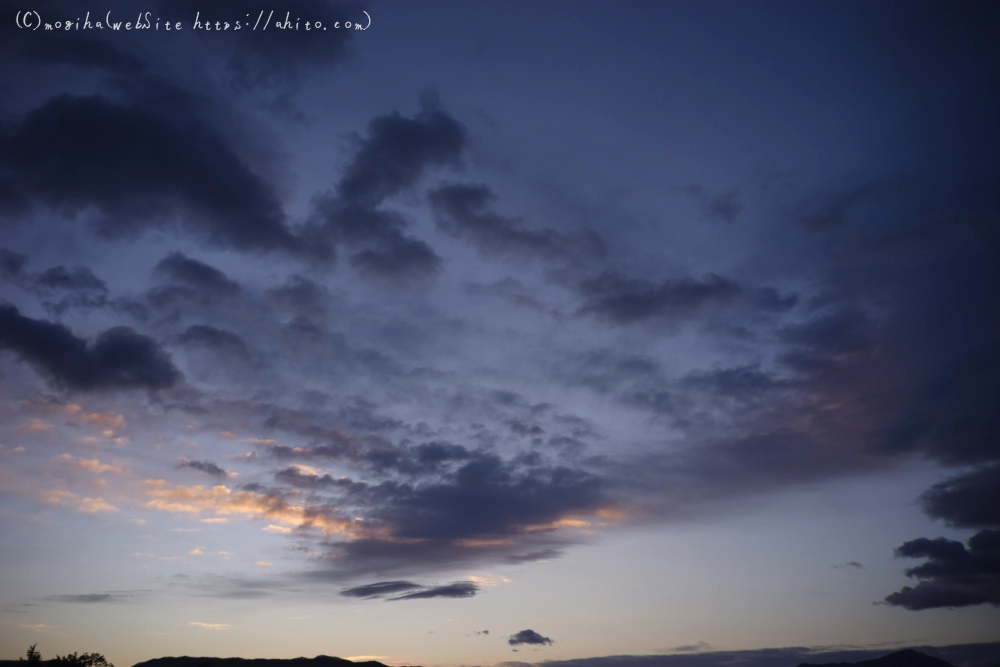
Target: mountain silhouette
{"x": 318, "y": 661}
{"x": 905, "y": 658}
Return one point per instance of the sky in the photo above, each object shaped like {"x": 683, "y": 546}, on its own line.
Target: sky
{"x": 498, "y": 332}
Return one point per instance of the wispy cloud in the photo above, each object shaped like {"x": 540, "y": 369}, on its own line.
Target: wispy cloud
{"x": 210, "y": 626}
{"x": 89, "y": 465}
{"x": 85, "y": 505}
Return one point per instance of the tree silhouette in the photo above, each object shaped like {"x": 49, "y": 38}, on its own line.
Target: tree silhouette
{"x": 32, "y": 655}
{"x": 82, "y": 660}
{"x": 68, "y": 660}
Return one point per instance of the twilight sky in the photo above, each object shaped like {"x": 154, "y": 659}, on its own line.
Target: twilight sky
{"x": 570, "y": 329}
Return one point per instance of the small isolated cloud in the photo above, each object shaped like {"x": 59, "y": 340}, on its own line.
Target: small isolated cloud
{"x": 366, "y": 658}
{"x": 209, "y": 626}
{"x": 37, "y": 627}
{"x": 488, "y": 580}
{"x": 481, "y": 632}
{"x": 528, "y": 637}
{"x": 692, "y": 648}
{"x": 98, "y": 598}
{"x": 261, "y": 563}
{"x": 88, "y": 598}
{"x": 280, "y": 530}
{"x": 206, "y": 467}
{"x": 459, "y": 589}
{"x": 379, "y": 589}
{"x": 851, "y": 563}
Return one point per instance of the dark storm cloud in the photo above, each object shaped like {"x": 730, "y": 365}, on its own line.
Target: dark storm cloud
{"x": 350, "y": 432}
{"x": 970, "y": 500}
{"x": 60, "y": 288}
{"x": 952, "y": 415}
{"x": 190, "y": 283}
{"x": 641, "y": 382}
{"x": 75, "y": 279}
{"x": 395, "y": 155}
{"x": 118, "y": 358}
{"x": 140, "y": 169}
{"x": 398, "y": 151}
{"x": 524, "y": 430}
{"x": 397, "y": 258}
{"x": 218, "y": 341}
{"x": 488, "y": 498}
{"x": 295, "y": 476}
{"x": 206, "y": 467}
{"x": 438, "y": 452}
{"x": 623, "y": 300}
{"x": 528, "y": 637}
{"x": 179, "y": 268}
{"x": 78, "y": 280}
{"x": 945, "y": 332}
{"x": 758, "y": 426}
{"x": 299, "y": 296}
{"x": 370, "y": 451}
{"x": 953, "y": 575}
{"x": 483, "y": 507}
{"x": 379, "y": 589}
{"x": 463, "y": 211}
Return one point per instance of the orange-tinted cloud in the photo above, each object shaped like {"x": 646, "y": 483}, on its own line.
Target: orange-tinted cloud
{"x": 223, "y": 501}
{"x": 70, "y": 499}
